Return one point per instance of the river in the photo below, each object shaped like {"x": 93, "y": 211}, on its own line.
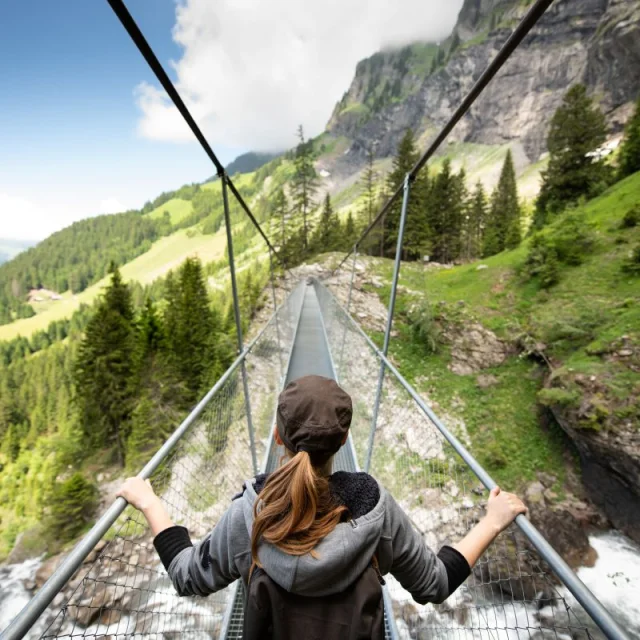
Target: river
{"x": 615, "y": 578}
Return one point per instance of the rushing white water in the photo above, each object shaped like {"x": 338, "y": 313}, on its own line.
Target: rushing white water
{"x": 614, "y": 579}
{"x": 13, "y": 595}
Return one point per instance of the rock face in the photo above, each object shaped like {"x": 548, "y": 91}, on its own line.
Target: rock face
{"x": 610, "y": 469}
{"x": 596, "y": 42}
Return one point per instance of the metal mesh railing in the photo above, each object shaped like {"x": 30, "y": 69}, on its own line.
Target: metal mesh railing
{"x": 121, "y": 589}
{"x": 511, "y": 593}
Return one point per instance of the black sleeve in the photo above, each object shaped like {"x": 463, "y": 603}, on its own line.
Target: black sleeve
{"x": 458, "y": 569}
{"x": 170, "y": 542}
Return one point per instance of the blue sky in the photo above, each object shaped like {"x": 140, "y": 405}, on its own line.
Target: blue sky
{"x": 85, "y": 128}
{"x": 68, "y": 120}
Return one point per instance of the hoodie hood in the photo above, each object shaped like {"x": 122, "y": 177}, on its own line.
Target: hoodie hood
{"x": 342, "y": 556}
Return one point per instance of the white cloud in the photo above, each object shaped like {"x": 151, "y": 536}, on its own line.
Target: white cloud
{"x": 23, "y": 219}
{"x": 111, "y": 205}
{"x": 252, "y": 70}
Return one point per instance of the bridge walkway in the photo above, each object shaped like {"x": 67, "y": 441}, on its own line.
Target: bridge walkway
{"x": 310, "y": 355}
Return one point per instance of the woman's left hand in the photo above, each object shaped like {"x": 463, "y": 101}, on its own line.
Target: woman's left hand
{"x": 138, "y": 493}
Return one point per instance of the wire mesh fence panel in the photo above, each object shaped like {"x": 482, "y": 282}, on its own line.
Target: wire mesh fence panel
{"x": 511, "y": 593}
{"x": 122, "y": 590}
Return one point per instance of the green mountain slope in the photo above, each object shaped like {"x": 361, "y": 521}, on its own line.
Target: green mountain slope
{"x": 575, "y": 356}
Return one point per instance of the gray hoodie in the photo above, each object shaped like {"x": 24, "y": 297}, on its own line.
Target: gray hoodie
{"x": 385, "y": 530}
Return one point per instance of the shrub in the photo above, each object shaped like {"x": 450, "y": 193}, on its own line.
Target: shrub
{"x": 572, "y": 238}
{"x": 542, "y": 261}
{"x": 494, "y": 456}
{"x": 631, "y": 218}
{"x": 424, "y": 327}
{"x": 567, "y": 242}
{"x": 72, "y": 505}
{"x": 632, "y": 263}
{"x": 556, "y": 396}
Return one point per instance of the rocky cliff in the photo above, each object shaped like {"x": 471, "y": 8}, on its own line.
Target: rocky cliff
{"x": 596, "y": 42}
{"x": 604, "y": 428}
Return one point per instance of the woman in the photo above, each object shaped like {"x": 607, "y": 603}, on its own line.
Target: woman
{"x": 314, "y": 533}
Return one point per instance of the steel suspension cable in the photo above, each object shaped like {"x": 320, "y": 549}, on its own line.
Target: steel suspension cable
{"x": 512, "y": 43}
{"x": 145, "y": 49}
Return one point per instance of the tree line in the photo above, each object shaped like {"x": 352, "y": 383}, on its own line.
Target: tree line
{"x": 445, "y": 221}
{"x": 450, "y": 223}
{"x": 80, "y": 255}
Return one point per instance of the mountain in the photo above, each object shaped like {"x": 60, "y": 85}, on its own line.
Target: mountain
{"x": 10, "y": 248}
{"x": 248, "y": 162}
{"x": 596, "y": 42}
{"x": 593, "y": 41}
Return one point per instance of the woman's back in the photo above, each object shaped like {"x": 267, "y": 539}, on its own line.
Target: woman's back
{"x": 377, "y": 527}
{"x": 312, "y": 534}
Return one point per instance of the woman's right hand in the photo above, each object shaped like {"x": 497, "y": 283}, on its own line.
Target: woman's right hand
{"x": 502, "y": 508}
{"x": 138, "y": 493}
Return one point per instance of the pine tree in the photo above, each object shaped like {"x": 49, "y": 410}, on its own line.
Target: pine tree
{"x": 368, "y": 181}
{"x": 415, "y": 229}
{"x": 280, "y": 210}
{"x": 304, "y": 183}
{"x": 445, "y": 211}
{"x": 71, "y": 507}
{"x": 503, "y": 224}
{"x": 150, "y": 328}
{"x": 629, "y": 160}
{"x": 349, "y": 236}
{"x": 577, "y": 130}
{"x": 327, "y": 234}
{"x": 190, "y": 327}
{"x": 105, "y": 368}
{"x": 475, "y": 220}
{"x": 460, "y": 206}
{"x": 161, "y": 395}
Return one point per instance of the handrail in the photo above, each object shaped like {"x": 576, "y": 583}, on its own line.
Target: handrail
{"x": 27, "y": 617}
{"x": 516, "y": 37}
{"x": 580, "y": 591}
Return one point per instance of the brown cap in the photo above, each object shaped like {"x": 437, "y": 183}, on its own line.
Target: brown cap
{"x": 314, "y": 415}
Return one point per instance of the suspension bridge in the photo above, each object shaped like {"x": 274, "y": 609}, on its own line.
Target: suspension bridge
{"x": 112, "y": 585}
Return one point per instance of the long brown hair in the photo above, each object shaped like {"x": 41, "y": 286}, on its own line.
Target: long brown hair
{"x": 295, "y": 510}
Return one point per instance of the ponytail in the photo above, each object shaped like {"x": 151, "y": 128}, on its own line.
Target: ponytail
{"x": 295, "y": 510}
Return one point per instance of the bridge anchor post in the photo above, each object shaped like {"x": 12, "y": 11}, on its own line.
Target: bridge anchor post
{"x": 392, "y": 304}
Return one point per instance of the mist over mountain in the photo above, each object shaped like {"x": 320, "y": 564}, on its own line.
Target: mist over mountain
{"x": 10, "y": 248}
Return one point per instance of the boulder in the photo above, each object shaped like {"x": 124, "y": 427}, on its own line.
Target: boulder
{"x": 46, "y": 569}
{"x": 474, "y": 348}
